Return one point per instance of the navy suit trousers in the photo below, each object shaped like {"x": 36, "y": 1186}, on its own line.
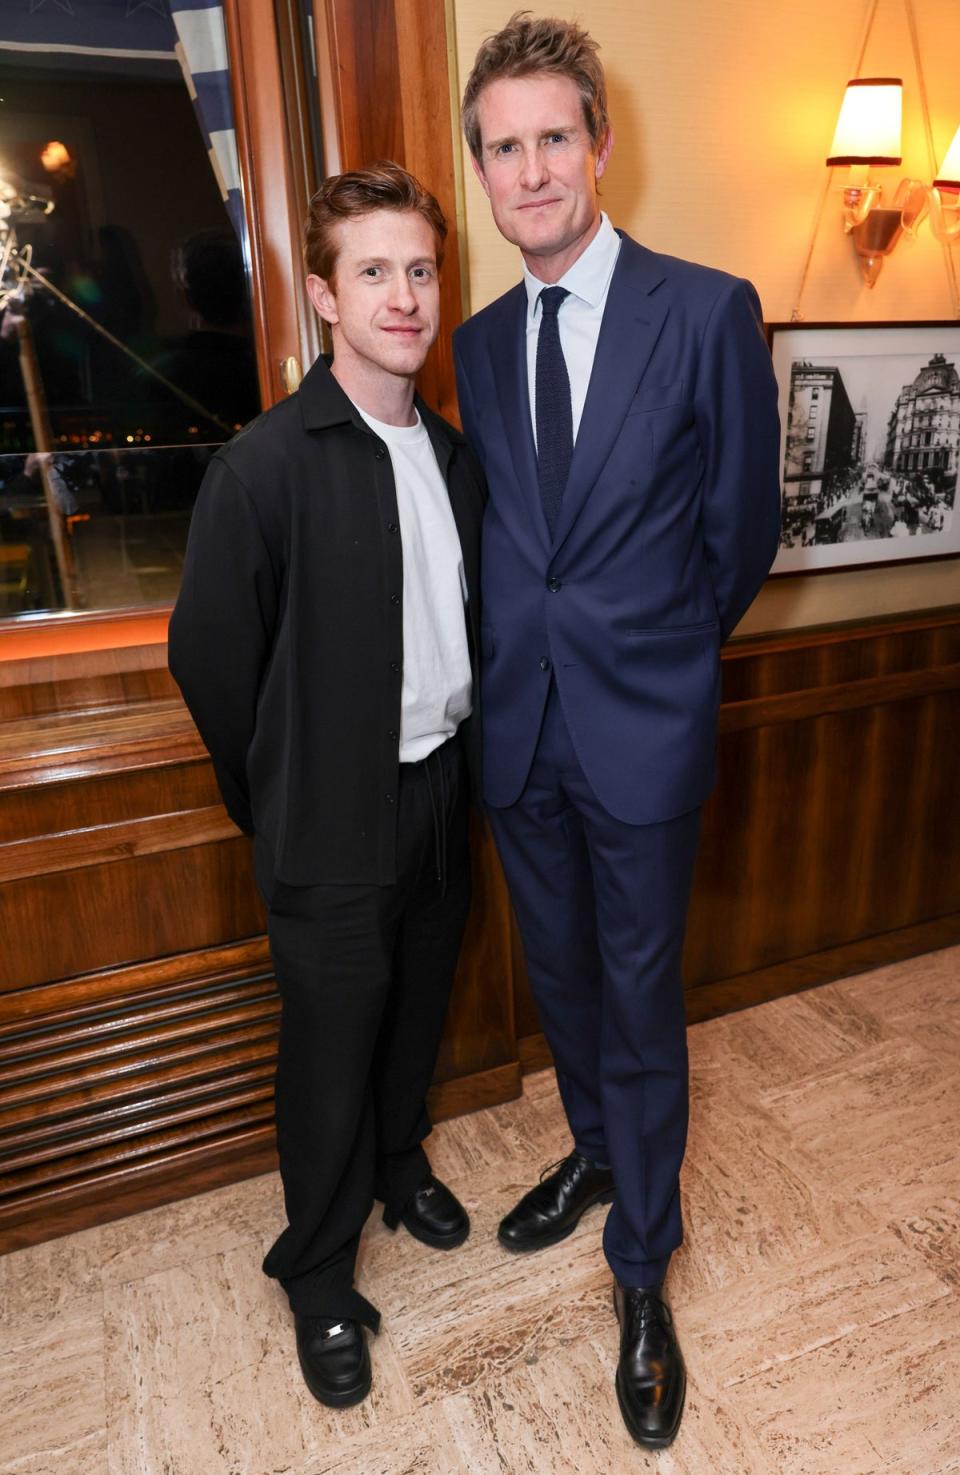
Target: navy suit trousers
{"x": 602, "y": 906}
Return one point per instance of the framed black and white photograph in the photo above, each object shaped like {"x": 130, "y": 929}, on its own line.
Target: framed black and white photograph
{"x": 869, "y": 442}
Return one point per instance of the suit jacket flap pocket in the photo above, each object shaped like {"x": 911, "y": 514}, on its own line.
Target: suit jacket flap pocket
{"x": 656, "y": 397}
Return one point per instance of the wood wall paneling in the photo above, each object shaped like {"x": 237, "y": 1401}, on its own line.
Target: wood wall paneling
{"x": 832, "y": 840}
{"x": 138, "y": 1012}
{"x": 392, "y": 101}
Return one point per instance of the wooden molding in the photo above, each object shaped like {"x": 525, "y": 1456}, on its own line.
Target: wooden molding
{"x": 177, "y": 1160}
{"x": 100, "y": 844}
{"x": 817, "y": 701}
{"x": 125, "y": 988}
{"x": 726, "y": 995}
{"x": 269, "y": 192}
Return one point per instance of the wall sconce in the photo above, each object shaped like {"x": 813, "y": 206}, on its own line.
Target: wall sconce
{"x": 943, "y": 197}
{"x": 867, "y": 136}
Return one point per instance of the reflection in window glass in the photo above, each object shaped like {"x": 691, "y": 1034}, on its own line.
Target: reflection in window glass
{"x": 126, "y": 353}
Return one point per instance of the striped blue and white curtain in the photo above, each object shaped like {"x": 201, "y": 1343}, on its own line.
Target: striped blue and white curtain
{"x": 193, "y": 31}
{"x": 201, "y": 49}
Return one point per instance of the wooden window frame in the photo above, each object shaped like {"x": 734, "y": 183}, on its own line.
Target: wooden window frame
{"x": 382, "y": 96}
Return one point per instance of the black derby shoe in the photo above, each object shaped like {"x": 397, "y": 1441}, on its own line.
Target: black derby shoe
{"x": 552, "y": 1210}
{"x": 334, "y": 1359}
{"x": 433, "y": 1216}
{"x": 651, "y": 1377}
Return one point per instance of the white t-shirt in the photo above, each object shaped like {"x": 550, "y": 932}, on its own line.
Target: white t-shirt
{"x": 437, "y": 682}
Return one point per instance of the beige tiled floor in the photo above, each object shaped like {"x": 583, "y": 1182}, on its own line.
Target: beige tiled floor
{"x": 817, "y": 1296}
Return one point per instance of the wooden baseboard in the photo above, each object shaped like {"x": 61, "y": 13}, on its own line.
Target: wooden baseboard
{"x": 729, "y": 994}
{"x": 97, "y": 1198}
{"x": 472, "y": 1093}
{"x": 66, "y": 1207}
{"x": 534, "y": 1053}
{"x": 61, "y": 1208}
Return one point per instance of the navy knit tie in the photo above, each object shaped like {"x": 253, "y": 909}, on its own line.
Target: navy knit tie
{"x": 554, "y": 412}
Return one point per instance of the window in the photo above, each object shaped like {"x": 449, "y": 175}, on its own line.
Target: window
{"x": 135, "y": 324}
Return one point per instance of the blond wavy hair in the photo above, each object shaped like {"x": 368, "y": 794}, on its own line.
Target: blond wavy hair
{"x": 528, "y": 46}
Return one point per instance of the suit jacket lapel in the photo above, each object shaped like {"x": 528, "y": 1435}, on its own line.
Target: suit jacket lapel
{"x": 508, "y": 356}
{"x": 632, "y": 322}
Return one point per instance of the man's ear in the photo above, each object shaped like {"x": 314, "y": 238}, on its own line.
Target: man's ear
{"x": 478, "y": 171}
{"x": 604, "y": 152}
{"x": 322, "y": 296}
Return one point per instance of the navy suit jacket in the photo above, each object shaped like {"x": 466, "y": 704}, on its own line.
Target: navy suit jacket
{"x": 668, "y": 527}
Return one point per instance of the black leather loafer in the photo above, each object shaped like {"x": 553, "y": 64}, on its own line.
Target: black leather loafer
{"x": 552, "y": 1210}
{"x": 433, "y": 1215}
{"x": 334, "y": 1359}
{"x": 651, "y": 1377}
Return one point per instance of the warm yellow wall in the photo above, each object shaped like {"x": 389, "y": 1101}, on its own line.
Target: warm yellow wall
{"x": 723, "y": 112}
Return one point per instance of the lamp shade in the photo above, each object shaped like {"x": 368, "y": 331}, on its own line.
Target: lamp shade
{"x": 949, "y": 174}
{"x": 868, "y": 128}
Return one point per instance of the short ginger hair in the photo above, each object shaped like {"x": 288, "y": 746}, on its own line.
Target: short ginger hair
{"x": 528, "y": 47}
{"x": 383, "y": 186}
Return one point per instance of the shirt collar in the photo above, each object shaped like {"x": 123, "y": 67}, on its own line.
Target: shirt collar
{"x": 323, "y": 404}
{"x": 589, "y": 276}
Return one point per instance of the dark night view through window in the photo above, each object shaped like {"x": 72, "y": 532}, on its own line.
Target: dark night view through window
{"x": 126, "y": 352}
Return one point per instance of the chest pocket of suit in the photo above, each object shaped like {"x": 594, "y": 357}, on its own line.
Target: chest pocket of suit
{"x": 657, "y": 397}
{"x": 663, "y": 415}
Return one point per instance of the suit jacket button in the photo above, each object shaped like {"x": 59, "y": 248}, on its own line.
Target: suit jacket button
{"x": 389, "y": 798}
{"x": 394, "y": 598}
{"x": 392, "y": 527}
{"x": 394, "y": 666}
{"x": 393, "y": 736}
{"x": 544, "y": 664}
{"x": 554, "y": 585}
{"x": 380, "y": 453}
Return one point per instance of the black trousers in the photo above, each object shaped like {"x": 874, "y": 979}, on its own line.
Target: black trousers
{"x": 364, "y": 974}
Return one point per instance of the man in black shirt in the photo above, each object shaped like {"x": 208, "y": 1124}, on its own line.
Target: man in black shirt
{"x": 323, "y": 641}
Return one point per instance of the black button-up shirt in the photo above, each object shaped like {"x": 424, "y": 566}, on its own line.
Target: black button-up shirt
{"x": 284, "y": 639}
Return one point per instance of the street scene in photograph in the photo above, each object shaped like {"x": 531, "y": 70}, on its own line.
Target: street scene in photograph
{"x": 871, "y": 450}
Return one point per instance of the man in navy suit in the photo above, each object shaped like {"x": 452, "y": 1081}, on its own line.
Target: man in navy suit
{"x": 624, "y": 406}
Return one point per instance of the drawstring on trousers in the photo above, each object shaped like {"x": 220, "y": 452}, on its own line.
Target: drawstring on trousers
{"x": 439, "y": 817}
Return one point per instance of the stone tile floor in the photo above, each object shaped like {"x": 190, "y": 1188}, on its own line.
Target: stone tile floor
{"x": 817, "y": 1296}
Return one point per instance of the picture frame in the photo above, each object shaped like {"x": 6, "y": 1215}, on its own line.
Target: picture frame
{"x": 869, "y": 443}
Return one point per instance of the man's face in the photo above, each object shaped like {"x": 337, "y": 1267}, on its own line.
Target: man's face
{"x": 539, "y": 166}
{"x": 383, "y": 301}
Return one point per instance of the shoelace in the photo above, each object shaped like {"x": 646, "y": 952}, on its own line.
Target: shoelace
{"x": 645, "y": 1310}
{"x": 570, "y": 1163}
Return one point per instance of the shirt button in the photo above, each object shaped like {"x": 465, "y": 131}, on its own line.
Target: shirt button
{"x": 554, "y": 585}
{"x": 544, "y": 664}
{"x": 394, "y": 598}
{"x": 392, "y": 527}
{"x": 394, "y": 665}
